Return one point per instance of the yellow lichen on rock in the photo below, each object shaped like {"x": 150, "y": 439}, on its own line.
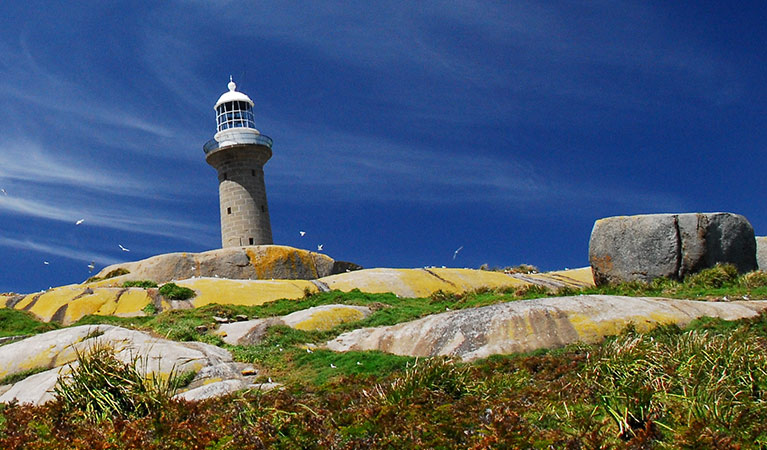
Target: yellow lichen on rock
{"x": 88, "y": 304}
{"x": 327, "y": 319}
{"x": 4, "y": 300}
{"x": 469, "y": 279}
{"x": 591, "y": 330}
{"x": 46, "y": 304}
{"x": 420, "y": 282}
{"x": 268, "y": 261}
{"x": 132, "y": 302}
{"x": 245, "y": 292}
{"x": 402, "y": 282}
{"x": 574, "y": 278}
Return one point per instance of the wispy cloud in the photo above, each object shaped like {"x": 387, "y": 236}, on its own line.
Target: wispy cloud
{"x": 102, "y": 212}
{"x": 376, "y": 169}
{"x": 47, "y": 250}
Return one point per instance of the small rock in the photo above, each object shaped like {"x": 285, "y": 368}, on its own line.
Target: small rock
{"x": 249, "y": 371}
{"x": 201, "y": 329}
{"x": 221, "y": 319}
{"x": 241, "y": 317}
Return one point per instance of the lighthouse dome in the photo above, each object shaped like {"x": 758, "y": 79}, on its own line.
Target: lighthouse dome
{"x": 234, "y": 110}
{"x": 233, "y": 96}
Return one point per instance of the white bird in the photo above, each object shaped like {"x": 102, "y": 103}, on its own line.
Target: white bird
{"x": 3, "y": 191}
{"x": 269, "y": 379}
{"x": 333, "y": 366}
{"x": 308, "y": 351}
{"x": 359, "y": 363}
{"x": 79, "y": 221}
{"x": 91, "y": 266}
{"x": 319, "y": 247}
{"x": 123, "y": 248}
{"x": 455, "y": 253}
{"x": 46, "y": 262}
{"x": 302, "y": 233}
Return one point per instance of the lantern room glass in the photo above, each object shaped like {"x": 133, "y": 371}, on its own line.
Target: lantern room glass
{"x": 237, "y": 114}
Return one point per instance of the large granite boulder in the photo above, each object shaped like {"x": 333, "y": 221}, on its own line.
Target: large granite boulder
{"x": 527, "y": 325}
{"x": 256, "y": 262}
{"x": 646, "y": 247}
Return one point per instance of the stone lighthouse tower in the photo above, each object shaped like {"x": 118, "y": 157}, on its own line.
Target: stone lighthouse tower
{"x": 238, "y": 152}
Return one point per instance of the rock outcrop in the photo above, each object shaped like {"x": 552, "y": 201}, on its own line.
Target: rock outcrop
{"x": 646, "y": 247}
{"x": 67, "y": 304}
{"x": 761, "y": 252}
{"x": 528, "y": 325}
{"x": 55, "y": 352}
{"x": 318, "y": 318}
{"x": 258, "y": 262}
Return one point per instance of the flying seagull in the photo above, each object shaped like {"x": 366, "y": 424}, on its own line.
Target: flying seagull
{"x": 302, "y": 233}
{"x": 79, "y": 221}
{"x": 3, "y": 191}
{"x": 455, "y": 253}
{"x": 46, "y": 262}
{"x": 123, "y": 248}
{"x": 319, "y": 247}
{"x": 91, "y": 266}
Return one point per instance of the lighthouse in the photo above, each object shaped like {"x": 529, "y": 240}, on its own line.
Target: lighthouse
{"x": 238, "y": 152}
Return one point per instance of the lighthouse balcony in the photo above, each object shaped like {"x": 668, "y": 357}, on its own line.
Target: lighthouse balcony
{"x": 235, "y": 138}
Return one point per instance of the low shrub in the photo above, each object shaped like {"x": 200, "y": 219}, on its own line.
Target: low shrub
{"x": 172, "y": 291}
{"x": 719, "y": 276}
{"x": 146, "y": 284}
{"x": 755, "y": 279}
{"x": 111, "y": 274}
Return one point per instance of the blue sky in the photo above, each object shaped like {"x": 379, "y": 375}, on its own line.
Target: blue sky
{"x": 402, "y": 130}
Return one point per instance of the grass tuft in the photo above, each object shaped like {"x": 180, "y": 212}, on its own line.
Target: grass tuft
{"x": 101, "y": 387}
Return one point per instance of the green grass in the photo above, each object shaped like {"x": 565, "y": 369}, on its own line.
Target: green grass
{"x": 172, "y": 291}
{"x": 146, "y": 284}
{"x": 14, "y": 322}
{"x": 16, "y": 377}
{"x": 701, "y": 387}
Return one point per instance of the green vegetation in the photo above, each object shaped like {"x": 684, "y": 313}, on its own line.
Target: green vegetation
{"x": 16, "y": 377}
{"x": 111, "y": 274}
{"x": 146, "y": 284}
{"x": 702, "y": 387}
{"x": 14, "y": 322}
{"x": 172, "y": 291}
{"x": 709, "y": 284}
{"x": 150, "y": 309}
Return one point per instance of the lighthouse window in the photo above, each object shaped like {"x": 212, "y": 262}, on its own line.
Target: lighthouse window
{"x": 235, "y": 115}
{"x": 250, "y": 241}
{"x": 263, "y": 209}
{"x": 229, "y": 210}
{"x": 253, "y": 172}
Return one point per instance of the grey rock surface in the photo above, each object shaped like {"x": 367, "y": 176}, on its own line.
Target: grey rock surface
{"x": 256, "y": 262}
{"x": 322, "y": 317}
{"x": 645, "y": 247}
{"x": 761, "y": 252}
{"x": 527, "y": 325}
